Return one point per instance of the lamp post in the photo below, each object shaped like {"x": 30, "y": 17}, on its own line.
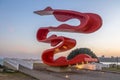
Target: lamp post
{"x": 117, "y": 61}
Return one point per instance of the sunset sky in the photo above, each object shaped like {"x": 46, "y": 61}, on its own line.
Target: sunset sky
{"x": 18, "y": 26}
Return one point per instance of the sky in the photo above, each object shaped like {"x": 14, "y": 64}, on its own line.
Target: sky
{"x": 19, "y": 25}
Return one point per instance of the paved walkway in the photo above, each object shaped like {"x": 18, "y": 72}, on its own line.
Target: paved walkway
{"x": 93, "y": 75}
{"x": 74, "y": 75}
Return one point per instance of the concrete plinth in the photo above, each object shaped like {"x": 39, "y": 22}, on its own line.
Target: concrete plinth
{"x": 58, "y": 69}
{"x": 41, "y": 66}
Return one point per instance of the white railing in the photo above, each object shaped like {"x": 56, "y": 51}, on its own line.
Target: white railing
{"x": 16, "y": 62}
{"x": 27, "y": 64}
{"x": 12, "y": 62}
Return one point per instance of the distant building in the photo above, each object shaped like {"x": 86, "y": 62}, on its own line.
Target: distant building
{"x": 109, "y": 59}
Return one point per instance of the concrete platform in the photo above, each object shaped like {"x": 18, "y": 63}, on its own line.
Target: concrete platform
{"x": 44, "y": 74}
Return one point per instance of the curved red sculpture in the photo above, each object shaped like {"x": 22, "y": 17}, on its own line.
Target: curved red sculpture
{"x": 89, "y": 23}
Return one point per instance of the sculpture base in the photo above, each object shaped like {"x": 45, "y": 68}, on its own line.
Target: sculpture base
{"x": 42, "y": 66}
{"x": 58, "y": 69}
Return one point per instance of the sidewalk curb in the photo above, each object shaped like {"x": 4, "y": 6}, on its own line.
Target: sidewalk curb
{"x": 108, "y": 71}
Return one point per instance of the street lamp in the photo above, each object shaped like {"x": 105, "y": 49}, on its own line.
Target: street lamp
{"x": 117, "y": 61}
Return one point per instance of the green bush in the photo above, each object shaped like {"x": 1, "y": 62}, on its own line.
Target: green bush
{"x": 81, "y": 51}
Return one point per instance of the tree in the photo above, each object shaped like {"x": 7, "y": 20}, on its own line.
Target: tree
{"x": 81, "y": 51}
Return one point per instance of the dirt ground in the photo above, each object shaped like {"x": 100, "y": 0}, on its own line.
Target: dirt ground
{"x": 15, "y": 76}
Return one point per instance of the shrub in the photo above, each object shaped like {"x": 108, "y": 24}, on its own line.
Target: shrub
{"x": 81, "y": 51}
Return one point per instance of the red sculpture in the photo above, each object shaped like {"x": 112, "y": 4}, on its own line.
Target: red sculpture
{"x": 89, "y": 23}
